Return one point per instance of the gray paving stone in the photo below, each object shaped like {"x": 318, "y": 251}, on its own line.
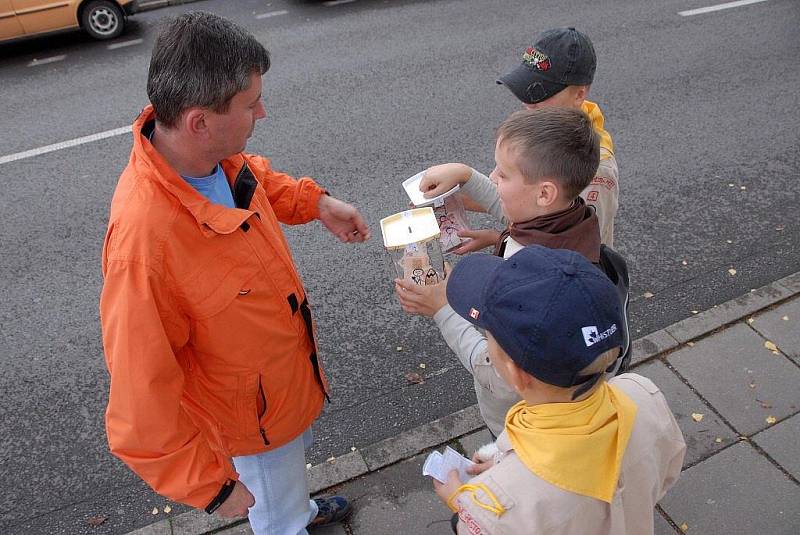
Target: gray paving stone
{"x": 338, "y": 470}
{"x": 425, "y": 436}
{"x": 662, "y": 527}
{"x": 197, "y": 521}
{"x": 701, "y": 437}
{"x": 784, "y": 333}
{"x": 651, "y": 345}
{"x": 239, "y": 529}
{"x": 470, "y": 443}
{"x": 337, "y": 529}
{"x": 158, "y": 528}
{"x": 397, "y": 499}
{"x": 782, "y": 444}
{"x": 737, "y": 491}
{"x": 740, "y": 378}
{"x": 727, "y": 312}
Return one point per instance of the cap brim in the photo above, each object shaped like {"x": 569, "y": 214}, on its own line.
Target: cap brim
{"x": 467, "y": 283}
{"x": 528, "y": 85}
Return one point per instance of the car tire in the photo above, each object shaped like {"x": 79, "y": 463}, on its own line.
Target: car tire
{"x": 102, "y": 19}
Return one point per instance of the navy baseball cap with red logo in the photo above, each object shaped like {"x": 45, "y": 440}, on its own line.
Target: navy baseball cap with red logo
{"x": 550, "y": 310}
{"x": 559, "y": 58}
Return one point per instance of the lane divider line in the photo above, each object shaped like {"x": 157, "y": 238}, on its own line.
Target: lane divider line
{"x": 36, "y": 62}
{"x": 331, "y": 3}
{"x": 114, "y": 46}
{"x": 64, "y": 144}
{"x": 272, "y": 14}
{"x": 718, "y": 7}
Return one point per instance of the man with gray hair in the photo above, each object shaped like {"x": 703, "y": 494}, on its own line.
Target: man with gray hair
{"x": 207, "y": 332}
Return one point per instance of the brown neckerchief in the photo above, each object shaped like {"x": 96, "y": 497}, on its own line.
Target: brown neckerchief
{"x": 575, "y": 228}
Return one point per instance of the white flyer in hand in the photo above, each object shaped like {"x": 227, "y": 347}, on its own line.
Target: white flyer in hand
{"x": 438, "y": 465}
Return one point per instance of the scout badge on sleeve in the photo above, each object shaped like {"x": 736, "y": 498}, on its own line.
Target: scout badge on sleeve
{"x": 448, "y": 208}
{"x": 412, "y": 241}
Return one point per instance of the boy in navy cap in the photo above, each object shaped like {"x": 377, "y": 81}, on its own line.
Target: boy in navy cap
{"x": 578, "y": 454}
{"x": 557, "y": 70}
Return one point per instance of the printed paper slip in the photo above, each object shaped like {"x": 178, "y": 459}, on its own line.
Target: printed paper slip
{"x": 438, "y": 465}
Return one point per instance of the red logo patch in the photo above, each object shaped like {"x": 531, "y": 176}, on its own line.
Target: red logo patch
{"x": 474, "y": 313}
{"x": 535, "y": 59}
{"x": 592, "y": 196}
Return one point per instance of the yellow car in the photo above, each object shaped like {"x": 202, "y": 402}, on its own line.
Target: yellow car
{"x": 102, "y": 19}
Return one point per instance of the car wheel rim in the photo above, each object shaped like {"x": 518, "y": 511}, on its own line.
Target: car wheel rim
{"x": 103, "y": 21}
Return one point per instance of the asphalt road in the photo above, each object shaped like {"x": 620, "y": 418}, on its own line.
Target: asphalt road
{"x": 704, "y": 114}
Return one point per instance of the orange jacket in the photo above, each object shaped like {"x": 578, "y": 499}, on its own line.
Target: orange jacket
{"x": 206, "y": 329}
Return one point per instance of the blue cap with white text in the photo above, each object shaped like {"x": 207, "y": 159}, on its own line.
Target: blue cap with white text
{"x": 551, "y": 310}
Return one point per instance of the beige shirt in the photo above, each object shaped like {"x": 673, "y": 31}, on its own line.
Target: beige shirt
{"x": 650, "y": 466}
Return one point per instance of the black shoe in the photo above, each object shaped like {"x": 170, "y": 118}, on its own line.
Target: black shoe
{"x": 332, "y": 510}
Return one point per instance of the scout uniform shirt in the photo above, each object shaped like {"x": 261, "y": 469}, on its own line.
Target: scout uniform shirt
{"x": 510, "y": 499}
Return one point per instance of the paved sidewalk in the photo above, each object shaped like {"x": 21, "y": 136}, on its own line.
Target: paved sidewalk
{"x": 732, "y": 377}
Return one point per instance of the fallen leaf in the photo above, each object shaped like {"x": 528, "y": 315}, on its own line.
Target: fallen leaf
{"x": 647, "y": 295}
{"x": 684, "y": 527}
{"x": 690, "y": 344}
{"x": 694, "y": 312}
{"x": 785, "y": 318}
{"x": 697, "y": 417}
{"x": 96, "y": 520}
{"x": 684, "y": 262}
{"x": 771, "y": 420}
{"x": 330, "y": 460}
{"x": 743, "y": 188}
{"x": 415, "y": 378}
{"x": 353, "y": 448}
{"x": 752, "y": 385}
{"x": 399, "y": 348}
{"x": 750, "y": 320}
{"x": 764, "y": 404}
{"x": 732, "y": 272}
{"x": 730, "y": 185}
{"x": 154, "y": 511}
{"x": 728, "y": 241}
{"x": 423, "y": 365}
{"x": 769, "y": 345}
{"x": 718, "y": 440}
{"x": 167, "y": 509}
{"x": 780, "y": 227}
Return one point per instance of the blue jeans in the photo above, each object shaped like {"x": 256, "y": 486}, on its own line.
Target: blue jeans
{"x": 277, "y": 480}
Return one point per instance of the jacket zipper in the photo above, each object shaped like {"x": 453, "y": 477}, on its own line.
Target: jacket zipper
{"x": 264, "y": 401}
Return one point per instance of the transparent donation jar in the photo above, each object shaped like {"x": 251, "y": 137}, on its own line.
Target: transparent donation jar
{"x": 411, "y": 239}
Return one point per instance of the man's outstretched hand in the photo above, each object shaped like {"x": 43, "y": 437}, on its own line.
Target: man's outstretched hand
{"x": 343, "y": 220}
{"x": 237, "y": 504}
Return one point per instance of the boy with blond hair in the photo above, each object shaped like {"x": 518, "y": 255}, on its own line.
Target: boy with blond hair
{"x": 577, "y": 454}
{"x": 545, "y": 158}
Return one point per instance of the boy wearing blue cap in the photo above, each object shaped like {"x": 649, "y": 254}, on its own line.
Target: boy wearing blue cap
{"x": 577, "y": 454}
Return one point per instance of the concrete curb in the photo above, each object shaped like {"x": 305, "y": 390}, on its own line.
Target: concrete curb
{"x": 453, "y": 426}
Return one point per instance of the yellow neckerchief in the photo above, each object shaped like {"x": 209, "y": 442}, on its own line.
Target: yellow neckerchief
{"x": 593, "y": 111}
{"x": 575, "y": 446}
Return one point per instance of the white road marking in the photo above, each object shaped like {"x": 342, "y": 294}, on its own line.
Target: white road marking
{"x": 35, "y": 62}
{"x": 114, "y": 46}
{"x": 331, "y": 3}
{"x": 272, "y": 14}
{"x": 718, "y": 7}
{"x": 64, "y": 144}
